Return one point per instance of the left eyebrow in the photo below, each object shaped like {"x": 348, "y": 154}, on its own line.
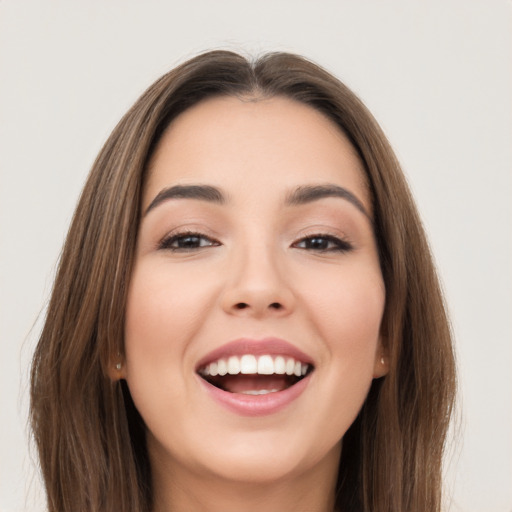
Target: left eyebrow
{"x": 309, "y": 193}
{"x": 200, "y": 192}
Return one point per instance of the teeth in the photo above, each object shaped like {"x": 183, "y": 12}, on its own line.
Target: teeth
{"x": 260, "y": 365}
{"x": 233, "y": 365}
{"x": 248, "y": 364}
{"x": 222, "y": 367}
{"x": 279, "y": 365}
{"x": 259, "y": 391}
{"x": 265, "y": 365}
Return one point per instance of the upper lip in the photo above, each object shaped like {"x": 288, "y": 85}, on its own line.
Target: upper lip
{"x": 266, "y": 346}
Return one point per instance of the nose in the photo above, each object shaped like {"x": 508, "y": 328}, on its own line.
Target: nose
{"x": 257, "y": 286}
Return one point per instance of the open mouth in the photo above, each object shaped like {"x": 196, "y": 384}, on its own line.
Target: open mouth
{"x": 249, "y": 374}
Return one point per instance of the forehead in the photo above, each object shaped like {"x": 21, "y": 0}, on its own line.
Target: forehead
{"x": 277, "y": 142}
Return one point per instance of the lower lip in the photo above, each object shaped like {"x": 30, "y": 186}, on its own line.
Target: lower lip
{"x": 256, "y": 405}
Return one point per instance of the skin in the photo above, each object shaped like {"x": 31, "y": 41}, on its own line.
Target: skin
{"x": 253, "y": 250}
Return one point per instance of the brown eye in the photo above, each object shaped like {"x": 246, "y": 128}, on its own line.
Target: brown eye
{"x": 187, "y": 242}
{"x": 323, "y": 243}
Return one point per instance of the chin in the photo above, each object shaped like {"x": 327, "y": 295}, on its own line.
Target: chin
{"x": 264, "y": 458}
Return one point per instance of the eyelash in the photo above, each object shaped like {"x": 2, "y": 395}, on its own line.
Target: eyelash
{"x": 336, "y": 244}
{"x": 168, "y": 241}
{"x": 329, "y": 243}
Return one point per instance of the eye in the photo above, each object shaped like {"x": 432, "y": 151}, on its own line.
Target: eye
{"x": 188, "y": 241}
{"x": 323, "y": 243}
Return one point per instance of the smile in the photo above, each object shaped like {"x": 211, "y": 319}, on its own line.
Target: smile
{"x": 254, "y": 375}
{"x": 249, "y": 381}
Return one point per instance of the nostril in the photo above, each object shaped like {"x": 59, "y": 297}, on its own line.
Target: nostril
{"x": 244, "y": 305}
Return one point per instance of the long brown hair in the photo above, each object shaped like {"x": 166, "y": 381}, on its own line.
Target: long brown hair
{"x": 90, "y": 437}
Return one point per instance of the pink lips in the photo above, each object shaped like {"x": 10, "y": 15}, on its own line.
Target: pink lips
{"x": 255, "y": 405}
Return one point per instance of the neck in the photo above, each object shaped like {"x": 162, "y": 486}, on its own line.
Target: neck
{"x": 310, "y": 491}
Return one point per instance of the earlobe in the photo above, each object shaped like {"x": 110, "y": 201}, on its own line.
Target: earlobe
{"x": 116, "y": 369}
{"x": 381, "y": 365}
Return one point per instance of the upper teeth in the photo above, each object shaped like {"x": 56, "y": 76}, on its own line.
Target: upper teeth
{"x": 260, "y": 365}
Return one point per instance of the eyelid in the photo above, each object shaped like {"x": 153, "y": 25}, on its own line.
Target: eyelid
{"x": 176, "y": 234}
{"x": 342, "y": 243}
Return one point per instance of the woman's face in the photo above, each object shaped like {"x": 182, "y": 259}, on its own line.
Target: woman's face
{"x": 255, "y": 259}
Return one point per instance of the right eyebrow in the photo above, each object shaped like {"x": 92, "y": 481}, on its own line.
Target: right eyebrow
{"x": 201, "y": 192}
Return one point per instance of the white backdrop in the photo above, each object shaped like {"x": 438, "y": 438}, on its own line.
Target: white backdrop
{"x": 438, "y": 77}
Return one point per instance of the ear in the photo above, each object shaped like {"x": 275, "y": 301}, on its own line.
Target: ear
{"x": 116, "y": 368}
{"x": 381, "y": 364}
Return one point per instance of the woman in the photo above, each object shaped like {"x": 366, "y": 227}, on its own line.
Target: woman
{"x": 246, "y": 315}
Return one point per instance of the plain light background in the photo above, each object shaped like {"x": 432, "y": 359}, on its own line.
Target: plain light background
{"x": 438, "y": 77}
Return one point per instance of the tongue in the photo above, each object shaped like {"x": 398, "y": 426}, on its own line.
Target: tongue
{"x": 241, "y": 383}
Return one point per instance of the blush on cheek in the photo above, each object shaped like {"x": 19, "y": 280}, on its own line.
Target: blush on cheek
{"x": 355, "y": 311}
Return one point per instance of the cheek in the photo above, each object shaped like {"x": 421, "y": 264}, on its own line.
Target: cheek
{"x": 346, "y": 309}
{"x": 163, "y": 308}
{"x": 348, "y": 305}
{"x": 162, "y": 315}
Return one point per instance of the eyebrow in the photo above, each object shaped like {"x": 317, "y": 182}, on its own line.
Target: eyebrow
{"x": 301, "y": 195}
{"x": 201, "y": 192}
{"x": 309, "y": 193}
